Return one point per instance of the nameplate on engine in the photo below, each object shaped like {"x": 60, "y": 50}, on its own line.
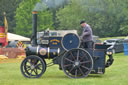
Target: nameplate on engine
{"x": 44, "y": 42}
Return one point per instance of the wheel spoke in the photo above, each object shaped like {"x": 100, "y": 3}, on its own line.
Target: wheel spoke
{"x": 71, "y": 69}
{"x": 31, "y": 73}
{"x": 29, "y": 61}
{"x": 67, "y": 65}
{"x": 28, "y": 69}
{"x": 78, "y": 55}
{"x": 38, "y": 62}
{"x": 33, "y": 61}
{"x": 76, "y": 73}
{"x": 84, "y": 55}
{"x": 81, "y": 71}
{"x": 39, "y": 68}
{"x": 27, "y": 66}
{"x": 37, "y": 65}
{"x": 81, "y": 58}
{"x": 72, "y": 55}
{"x": 69, "y": 60}
{"x": 85, "y": 62}
{"x": 85, "y": 67}
{"x": 35, "y": 70}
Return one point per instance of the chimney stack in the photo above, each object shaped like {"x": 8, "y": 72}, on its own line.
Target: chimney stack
{"x": 34, "y": 28}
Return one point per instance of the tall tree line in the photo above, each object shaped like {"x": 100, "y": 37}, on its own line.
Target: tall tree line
{"x": 106, "y": 17}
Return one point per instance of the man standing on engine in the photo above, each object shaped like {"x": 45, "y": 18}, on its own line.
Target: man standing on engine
{"x": 86, "y": 36}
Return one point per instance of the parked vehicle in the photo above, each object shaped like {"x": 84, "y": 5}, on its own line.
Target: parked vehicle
{"x": 126, "y": 40}
{"x": 116, "y": 45}
{"x": 96, "y": 39}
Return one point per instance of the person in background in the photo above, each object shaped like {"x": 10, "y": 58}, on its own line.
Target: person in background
{"x": 86, "y": 36}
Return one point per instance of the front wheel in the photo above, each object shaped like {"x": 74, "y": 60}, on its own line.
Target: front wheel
{"x": 33, "y": 67}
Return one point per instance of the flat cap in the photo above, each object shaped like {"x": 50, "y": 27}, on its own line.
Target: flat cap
{"x": 82, "y": 21}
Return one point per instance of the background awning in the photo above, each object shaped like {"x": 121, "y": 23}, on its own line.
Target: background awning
{"x": 12, "y": 37}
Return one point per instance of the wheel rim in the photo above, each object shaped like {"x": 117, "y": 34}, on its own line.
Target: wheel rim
{"x": 77, "y": 63}
{"x": 33, "y": 67}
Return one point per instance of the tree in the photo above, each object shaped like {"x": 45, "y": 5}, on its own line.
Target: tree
{"x": 24, "y": 18}
{"x": 105, "y": 16}
{"x": 53, "y": 6}
{"x": 9, "y": 6}
{"x": 70, "y": 16}
{"x": 124, "y": 18}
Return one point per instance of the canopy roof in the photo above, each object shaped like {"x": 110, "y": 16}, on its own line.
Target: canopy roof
{"x": 12, "y": 37}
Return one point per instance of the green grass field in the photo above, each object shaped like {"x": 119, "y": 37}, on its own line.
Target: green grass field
{"x": 117, "y": 74}
{"x": 121, "y": 37}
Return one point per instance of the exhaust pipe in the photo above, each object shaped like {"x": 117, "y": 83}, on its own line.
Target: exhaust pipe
{"x": 34, "y": 28}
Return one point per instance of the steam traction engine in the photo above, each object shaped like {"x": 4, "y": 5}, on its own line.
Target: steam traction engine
{"x": 67, "y": 52}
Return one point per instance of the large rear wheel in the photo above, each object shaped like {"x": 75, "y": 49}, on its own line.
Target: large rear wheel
{"x": 77, "y": 63}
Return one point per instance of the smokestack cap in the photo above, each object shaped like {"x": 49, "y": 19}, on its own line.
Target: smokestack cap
{"x": 34, "y": 12}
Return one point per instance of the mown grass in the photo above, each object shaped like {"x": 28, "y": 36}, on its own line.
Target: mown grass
{"x": 117, "y": 74}
{"x": 121, "y": 37}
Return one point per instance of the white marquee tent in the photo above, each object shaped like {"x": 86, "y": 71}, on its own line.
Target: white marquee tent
{"x": 13, "y": 37}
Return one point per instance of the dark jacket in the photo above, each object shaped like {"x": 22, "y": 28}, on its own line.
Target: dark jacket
{"x": 87, "y": 34}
